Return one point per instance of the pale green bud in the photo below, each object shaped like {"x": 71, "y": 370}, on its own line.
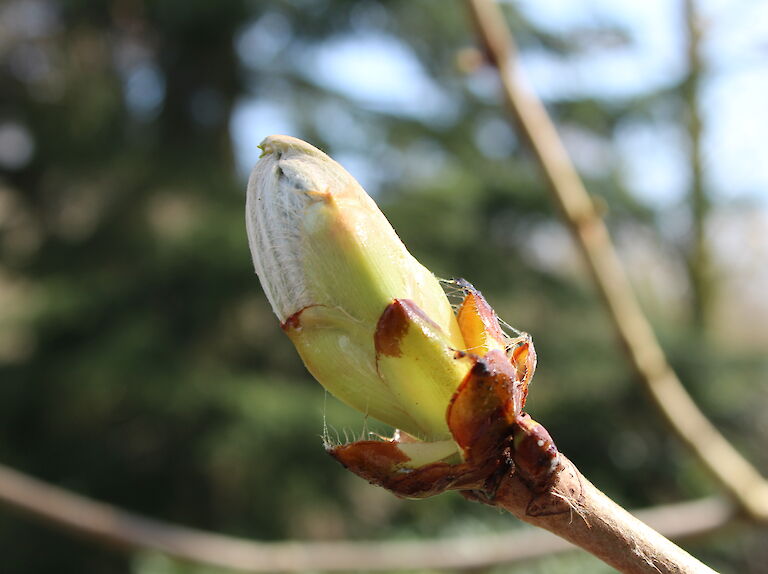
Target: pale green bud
{"x": 330, "y": 265}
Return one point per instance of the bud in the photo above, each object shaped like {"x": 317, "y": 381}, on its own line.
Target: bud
{"x": 331, "y": 264}
{"x": 375, "y": 328}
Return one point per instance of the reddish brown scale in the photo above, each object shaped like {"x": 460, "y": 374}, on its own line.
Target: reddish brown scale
{"x": 524, "y": 360}
{"x": 474, "y": 302}
{"x": 294, "y": 321}
{"x": 370, "y": 454}
{"x": 393, "y": 325}
{"x": 381, "y": 463}
{"x": 391, "y": 328}
{"x": 476, "y": 413}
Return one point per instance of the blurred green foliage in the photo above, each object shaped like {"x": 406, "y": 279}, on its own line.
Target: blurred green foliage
{"x": 140, "y": 363}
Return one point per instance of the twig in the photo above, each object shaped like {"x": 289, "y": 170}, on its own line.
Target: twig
{"x": 735, "y": 474}
{"x": 124, "y": 530}
{"x": 574, "y": 509}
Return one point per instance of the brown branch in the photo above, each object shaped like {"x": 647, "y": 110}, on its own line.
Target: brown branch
{"x": 574, "y": 509}
{"x": 124, "y": 530}
{"x": 735, "y": 474}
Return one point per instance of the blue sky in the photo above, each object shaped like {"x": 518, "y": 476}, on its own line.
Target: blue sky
{"x": 734, "y": 96}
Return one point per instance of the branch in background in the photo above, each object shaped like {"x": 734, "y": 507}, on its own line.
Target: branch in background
{"x": 735, "y": 474}
{"x": 114, "y": 527}
{"x": 699, "y": 264}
